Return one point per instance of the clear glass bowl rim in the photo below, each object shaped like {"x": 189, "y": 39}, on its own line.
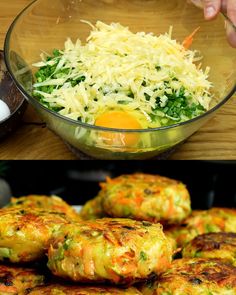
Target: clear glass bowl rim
{"x": 89, "y": 126}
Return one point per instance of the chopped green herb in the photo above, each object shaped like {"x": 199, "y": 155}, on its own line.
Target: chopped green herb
{"x": 147, "y": 96}
{"x": 60, "y": 254}
{"x": 143, "y": 256}
{"x": 131, "y": 95}
{"x": 56, "y": 53}
{"x": 66, "y": 244}
{"x": 124, "y": 102}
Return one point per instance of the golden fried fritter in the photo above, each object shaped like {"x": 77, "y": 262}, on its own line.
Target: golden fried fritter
{"x": 201, "y": 222}
{"x": 16, "y": 280}
{"x": 146, "y": 197}
{"x": 220, "y": 245}
{"x": 49, "y": 203}
{"x": 82, "y": 290}
{"x": 117, "y": 250}
{"x": 93, "y": 209}
{"x": 196, "y": 276}
{"x": 25, "y": 233}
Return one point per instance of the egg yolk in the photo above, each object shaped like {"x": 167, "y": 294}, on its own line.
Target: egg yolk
{"x": 119, "y": 120}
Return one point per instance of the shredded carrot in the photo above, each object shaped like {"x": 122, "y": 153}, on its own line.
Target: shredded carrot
{"x": 115, "y": 277}
{"x": 111, "y": 238}
{"x": 220, "y": 222}
{"x": 200, "y": 226}
{"x": 124, "y": 201}
{"x": 138, "y": 200}
{"x": 7, "y": 289}
{"x": 171, "y": 209}
{"x": 129, "y": 268}
{"x": 189, "y": 39}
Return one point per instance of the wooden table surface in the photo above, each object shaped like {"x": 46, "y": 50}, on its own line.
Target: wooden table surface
{"x": 216, "y": 140}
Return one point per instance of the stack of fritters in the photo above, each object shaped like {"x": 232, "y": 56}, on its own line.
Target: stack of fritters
{"x": 118, "y": 241}
{"x": 118, "y": 252}
{"x": 210, "y": 256}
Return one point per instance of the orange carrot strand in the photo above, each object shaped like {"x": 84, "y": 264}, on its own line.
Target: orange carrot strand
{"x": 189, "y": 39}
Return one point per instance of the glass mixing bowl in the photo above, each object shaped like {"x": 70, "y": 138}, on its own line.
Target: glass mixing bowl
{"x": 44, "y": 25}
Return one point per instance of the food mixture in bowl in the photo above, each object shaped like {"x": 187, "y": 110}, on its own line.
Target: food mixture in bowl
{"x": 121, "y": 79}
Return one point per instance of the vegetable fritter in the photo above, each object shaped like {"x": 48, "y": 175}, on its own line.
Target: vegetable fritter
{"x": 16, "y": 280}
{"x": 82, "y": 290}
{"x": 25, "y": 233}
{"x": 49, "y": 203}
{"x": 93, "y": 209}
{"x": 196, "y": 276}
{"x": 146, "y": 197}
{"x": 220, "y": 245}
{"x": 121, "y": 251}
{"x": 203, "y": 221}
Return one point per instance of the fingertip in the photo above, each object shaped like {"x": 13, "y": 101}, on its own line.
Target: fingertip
{"x": 209, "y": 12}
{"x": 231, "y": 35}
{"x": 211, "y": 8}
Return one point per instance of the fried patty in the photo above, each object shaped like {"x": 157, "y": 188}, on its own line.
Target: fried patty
{"x": 93, "y": 209}
{"x": 16, "y": 280}
{"x": 120, "y": 251}
{"x": 82, "y": 290}
{"x": 146, "y": 197}
{"x": 25, "y": 233}
{"x": 194, "y": 277}
{"x": 220, "y": 245}
{"x": 201, "y": 222}
{"x": 49, "y": 203}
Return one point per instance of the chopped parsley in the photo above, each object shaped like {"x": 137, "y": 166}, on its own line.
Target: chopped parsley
{"x": 143, "y": 256}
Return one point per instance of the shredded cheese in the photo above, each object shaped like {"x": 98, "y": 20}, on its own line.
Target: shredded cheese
{"x": 121, "y": 69}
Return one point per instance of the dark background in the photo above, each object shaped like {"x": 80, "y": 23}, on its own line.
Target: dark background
{"x": 211, "y": 183}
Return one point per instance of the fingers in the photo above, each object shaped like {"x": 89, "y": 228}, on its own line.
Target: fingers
{"x": 231, "y": 12}
{"x": 211, "y": 8}
{"x": 224, "y": 6}
{"x": 200, "y": 4}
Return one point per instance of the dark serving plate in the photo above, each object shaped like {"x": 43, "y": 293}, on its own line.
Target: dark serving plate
{"x": 10, "y": 94}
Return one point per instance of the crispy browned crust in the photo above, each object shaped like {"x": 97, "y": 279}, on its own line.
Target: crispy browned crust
{"x": 220, "y": 245}
{"x": 83, "y": 290}
{"x": 25, "y": 233}
{"x": 213, "y": 241}
{"x": 201, "y": 222}
{"x": 16, "y": 280}
{"x": 200, "y": 271}
{"x": 47, "y": 203}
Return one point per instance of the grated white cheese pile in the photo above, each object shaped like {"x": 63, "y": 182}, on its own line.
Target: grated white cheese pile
{"x": 122, "y": 70}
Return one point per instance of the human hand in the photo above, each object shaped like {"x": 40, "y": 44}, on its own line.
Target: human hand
{"x": 213, "y": 7}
